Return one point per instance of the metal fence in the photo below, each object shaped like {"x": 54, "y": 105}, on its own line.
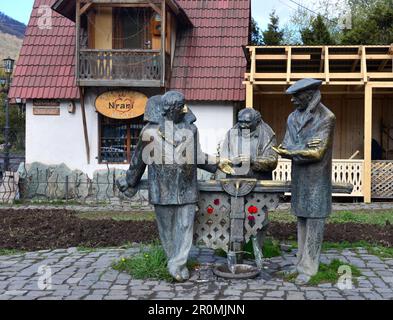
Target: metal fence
{"x": 16, "y": 140}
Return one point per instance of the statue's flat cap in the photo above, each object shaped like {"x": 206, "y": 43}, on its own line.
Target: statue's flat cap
{"x": 303, "y": 85}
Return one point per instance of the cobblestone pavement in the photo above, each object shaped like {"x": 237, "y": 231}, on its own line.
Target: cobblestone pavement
{"x": 88, "y": 275}
{"x": 125, "y": 207}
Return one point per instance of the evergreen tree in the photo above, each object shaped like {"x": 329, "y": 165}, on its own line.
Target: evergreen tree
{"x": 256, "y": 35}
{"x": 273, "y": 36}
{"x": 372, "y": 23}
{"x": 317, "y": 33}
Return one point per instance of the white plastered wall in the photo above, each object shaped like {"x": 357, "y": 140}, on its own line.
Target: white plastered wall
{"x": 53, "y": 140}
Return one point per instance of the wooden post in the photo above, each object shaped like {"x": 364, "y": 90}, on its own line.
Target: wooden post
{"x": 327, "y": 65}
{"x": 77, "y": 40}
{"x": 368, "y": 135}
{"x": 289, "y": 63}
{"x": 253, "y": 64}
{"x": 249, "y": 95}
{"x": 85, "y": 131}
{"x": 163, "y": 42}
{"x": 364, "y": 65}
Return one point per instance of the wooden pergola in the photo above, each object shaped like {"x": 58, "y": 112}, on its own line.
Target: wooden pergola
{"x": 357, "y": 69}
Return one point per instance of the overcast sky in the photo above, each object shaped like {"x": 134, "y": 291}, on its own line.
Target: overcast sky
{"x": 21, "y": 9}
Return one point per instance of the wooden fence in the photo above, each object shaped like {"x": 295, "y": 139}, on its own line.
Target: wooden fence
{"x": 382, "y": 179}
{"x": 344, "y": 171}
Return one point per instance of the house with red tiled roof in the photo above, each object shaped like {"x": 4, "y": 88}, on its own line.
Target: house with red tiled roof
{"x": 87, "y": 68}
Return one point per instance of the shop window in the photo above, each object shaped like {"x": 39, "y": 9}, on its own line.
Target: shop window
{"x": 118, "y": 139}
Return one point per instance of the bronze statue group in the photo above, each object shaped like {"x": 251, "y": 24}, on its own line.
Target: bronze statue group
{"x": 169, "y": 146}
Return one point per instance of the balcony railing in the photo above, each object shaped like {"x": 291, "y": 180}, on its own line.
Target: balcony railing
{"x": 120, "y": 67}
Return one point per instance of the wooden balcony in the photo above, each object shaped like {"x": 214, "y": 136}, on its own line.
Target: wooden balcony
{"x": 121, "y": 67}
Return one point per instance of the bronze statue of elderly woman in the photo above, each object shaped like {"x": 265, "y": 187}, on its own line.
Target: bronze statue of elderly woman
{"x": 308, "y": 143}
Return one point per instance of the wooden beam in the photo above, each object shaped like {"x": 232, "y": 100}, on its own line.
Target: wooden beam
{"x": 85, "y": 131}
{"x": 380, "y": 75}
{"x": 120, "y": 83}
{"x": 368, "y": 136}
{"x": 388, "y": 84}
{"x": 331, "y": 83}
{"x": 364, "y": 65}
{"x": 77, "y": 39}
{"x": 278, "y": 92}
{"x": 322, "y": 62}
{"x": 283, "y": 56}
{"x": 249, "y": 95}
{"x": 384, "y": 63}
{"x": 289, "y": 63}
{"x": 85, "y": 7}
{"x": 358, "y": 57}
{"x": 253, "y": 65}
{"x": 327, "y": 65}
{"x": 163, "y": 42}
{"x": 301, "y": 75}
{"x": 356, "y": 62}
{"x": 155, "y": 8}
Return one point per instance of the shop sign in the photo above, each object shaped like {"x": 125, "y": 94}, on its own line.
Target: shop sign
{"x": 121, "y": 104}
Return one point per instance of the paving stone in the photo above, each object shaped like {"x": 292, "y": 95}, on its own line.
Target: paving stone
{"x": 313, "y": 295}
{"x": 78, "y": 275}
{"x": 231, "y": 292}
{"x": 295, "y": 296}
{"x": 275, "y": 294}
{"x": 355, "y": 298}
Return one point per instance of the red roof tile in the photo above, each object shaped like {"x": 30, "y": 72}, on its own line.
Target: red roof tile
{"x": 209, "y": 62}
{"x": 45, "y": 68}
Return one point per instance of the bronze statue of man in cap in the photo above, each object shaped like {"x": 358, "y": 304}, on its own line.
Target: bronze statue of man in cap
{"x": 308, "y": 143}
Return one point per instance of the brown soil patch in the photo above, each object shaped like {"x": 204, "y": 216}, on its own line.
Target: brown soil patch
{"x": 51, "y": 229}
{"x": 339, "y": 232}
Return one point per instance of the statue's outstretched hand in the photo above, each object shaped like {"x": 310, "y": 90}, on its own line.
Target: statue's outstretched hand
{"x": 281, "y": 151}
{"x": 226, "y": 166}
{"x": 314, "y": 143}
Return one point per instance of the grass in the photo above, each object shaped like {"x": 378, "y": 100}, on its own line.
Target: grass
{"x": 327, "y": 273}
{"x": 10, "y": 252}
{"x": 378, "y": 217}
{"x": 150, "y": 264}
{"x": 118, "y": 216}
{"x": 271, "y": 248}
